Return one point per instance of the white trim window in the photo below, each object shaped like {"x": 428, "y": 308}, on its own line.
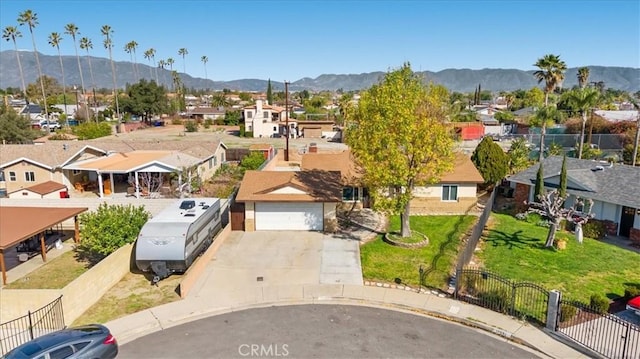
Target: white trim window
{"x": 29, "y": 176}
{"x": 449, "y": 192}
{"x": 12, "y": 176}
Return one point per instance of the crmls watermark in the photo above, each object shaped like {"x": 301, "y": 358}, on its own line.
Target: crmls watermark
{"x": 263, "y": 350}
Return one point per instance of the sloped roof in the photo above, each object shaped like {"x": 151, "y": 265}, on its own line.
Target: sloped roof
{"x": 318, "y": 186}
{"x": 260, "y": 147}
{"x": 342, "y": 162}
{"x": 45, "y": 187}
{"x": 14, "y": 229}
{"x": 617, "y": 184}
{"x": 464, "y": 171}
{"x": 134, "y": 160}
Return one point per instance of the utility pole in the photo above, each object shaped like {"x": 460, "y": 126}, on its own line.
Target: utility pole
{"x": 286, "y": 119}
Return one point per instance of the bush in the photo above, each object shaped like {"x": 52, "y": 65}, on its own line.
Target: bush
{"x": 219, "y": 122}
{"x": 176, "y": 121}
{"x": 631, "y": 291}
{"x": 248, "y": 134}
{"x": 567, "y": 312}
{"x": 253, "y": 161}
{"x": 469, "y": 283}
{"x": 593, "y": 229}
{"x": 108, "y": 228}
{"x": 91, "y": 130}
{"x": 191, "y": 126}
{"x": 242, "y": 130}
{"x": 497, "y": 299}
{"x": 207, "y": 123}
{"x": 599, "y": 303}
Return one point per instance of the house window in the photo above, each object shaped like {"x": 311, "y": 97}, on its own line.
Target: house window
{"x": 215, "y": 161}
{"x": 222, "y": 157}
{"x": 2, "y": 176}
{"x": 350, "y": 194}
{"x": 76, "y": 172}
{"x": 265, "y": 114}
{"x": 249, "y": 114}
{"x": 275, "y": 129}
{"x": 449, "y": 192}
{"x": 29, "y": 176}
{"x": 12, "y": 176}
{"x": 210, "y": 163}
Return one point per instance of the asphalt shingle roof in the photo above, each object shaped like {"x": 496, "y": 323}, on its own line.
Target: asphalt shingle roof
{"x": 617, "y": 184}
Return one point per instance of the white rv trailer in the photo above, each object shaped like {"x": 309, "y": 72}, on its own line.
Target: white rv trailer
{"x": 171, "y": 241}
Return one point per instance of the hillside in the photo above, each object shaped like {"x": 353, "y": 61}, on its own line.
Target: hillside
{"x": 460, "y": 80}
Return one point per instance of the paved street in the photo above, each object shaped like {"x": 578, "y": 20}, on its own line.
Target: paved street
{"x": 321, "y": 331}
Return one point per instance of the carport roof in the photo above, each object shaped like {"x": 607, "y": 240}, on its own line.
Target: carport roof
{"x": 309, "y": 186}
{"x": 20, "y": 223}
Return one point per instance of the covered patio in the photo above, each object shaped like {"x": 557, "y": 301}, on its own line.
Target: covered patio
{"x": 22, "y": 223}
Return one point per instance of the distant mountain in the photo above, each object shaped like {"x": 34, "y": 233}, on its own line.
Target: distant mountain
{"x": 460, "y": 80}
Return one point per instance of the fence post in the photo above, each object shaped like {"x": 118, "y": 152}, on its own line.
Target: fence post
{"x": 553, "y": 308}
{"x": 30, "y": 325}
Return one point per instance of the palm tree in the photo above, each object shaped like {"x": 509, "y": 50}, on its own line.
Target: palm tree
{"x": 183, "y": 52}
{"x": 147, "y": 55}
{"x": 162, "y": 64}
{"x": 151, "y": 56}
{"x": 86, "y": 44}
{"x": 30, "y": 18}
{"x": 543, "y": 117}
{"x": 552, "y": 73}
{"x": 583, "y": 100}
{"x": 130, "y": 48}
{"x": 204, "y": 60}
{"x": 583, "y": 77}
{"x": 170, "y": 62}
{"x": 12, "y": 33}
{"x": 108, "y": 44}
{"x": 54, "y": 40}
{"x": 72, "y": 30}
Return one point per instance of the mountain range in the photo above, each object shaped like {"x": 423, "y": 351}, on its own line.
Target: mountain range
{"x": 459, "y": 80}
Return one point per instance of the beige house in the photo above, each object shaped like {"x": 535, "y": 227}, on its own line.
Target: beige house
{"x": 49, "y": 189}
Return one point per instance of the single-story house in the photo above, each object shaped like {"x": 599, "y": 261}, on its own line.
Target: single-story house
{"x": 614, "y": 189}
{"x": 48, "y": 189}
{"x": 290, "y": 200}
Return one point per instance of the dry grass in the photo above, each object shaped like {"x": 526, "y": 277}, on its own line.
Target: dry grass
{"x": 55, "y": 274}
{"x": 132, "y": 294}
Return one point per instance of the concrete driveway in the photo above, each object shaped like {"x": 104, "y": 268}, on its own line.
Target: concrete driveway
{"x": 273, "y": 258}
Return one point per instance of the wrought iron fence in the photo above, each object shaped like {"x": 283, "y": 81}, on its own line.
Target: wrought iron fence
{"x": 527, "y": 301}
{"x": 603, "y": 333}
{"x": 32, "y": 325}
{"x": 465, "y": 255}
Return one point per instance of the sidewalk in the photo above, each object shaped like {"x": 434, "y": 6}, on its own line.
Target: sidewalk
{"x": 206, "y": 301}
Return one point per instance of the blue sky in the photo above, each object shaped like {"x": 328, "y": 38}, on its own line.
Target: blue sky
{"x": 289, "y": 40}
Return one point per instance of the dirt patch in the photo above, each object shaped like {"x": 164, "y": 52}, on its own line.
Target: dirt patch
{"x": 54, "y": 274}
{"x": 132, "y": 294}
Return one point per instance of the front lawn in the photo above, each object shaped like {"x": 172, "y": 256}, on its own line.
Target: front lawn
{"x": 515, "y": 249}
{"x": 54, "y": 274}
{"x": 384, "y": 262}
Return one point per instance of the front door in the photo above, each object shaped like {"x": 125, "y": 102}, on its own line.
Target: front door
{"x": 626, "y": 221}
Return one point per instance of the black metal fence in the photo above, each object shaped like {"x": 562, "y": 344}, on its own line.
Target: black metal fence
{"x": 465, "y": 255}
{"x": 527, "y": 301}
{"x": 604, "y": 333}
{"x": 39, "y": 322}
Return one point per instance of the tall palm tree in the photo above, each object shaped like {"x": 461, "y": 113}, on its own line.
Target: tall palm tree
{"x": 30, "y": 18}
{"x": 583, "y": 100}
{"x": 544, "y": 117}
{"x": 86, "y": 44}
{"x": 162, "y": 64}
{"x": 147, "y": 55}
{"x": 108, "y": 44}
{"x": 583, "y": 77}
{"x": 183, "y": 52}
{"x": 12, "y": 33}
{"x": 170, "y": 62}
{"x": 54, "y": 40}
{"x": 204, "y": 60}
{"x": 551, "y": 71}
{"x": 72, "y": 30}
{"x": 130, "y": 48}
{"x": 151, "y": 56}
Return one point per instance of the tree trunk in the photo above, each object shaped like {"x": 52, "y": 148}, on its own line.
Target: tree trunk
{"x": 552, "y": 234}
{"x": 543, "y": 131}
{"x": 584, "y": 123}
{"x": 405, "y": 229}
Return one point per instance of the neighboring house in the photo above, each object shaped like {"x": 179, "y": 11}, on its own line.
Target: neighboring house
{"x": 207, "y": 113}
{"x": 302, "y": 200}
{"x": 91, "y": 163}
{"x": 618, "y": 116}
{"x": 49, "y": 189}
{"x": 454, "y": 193}
{"x": 614, "y": 189}
{"x": 264, "y": 120}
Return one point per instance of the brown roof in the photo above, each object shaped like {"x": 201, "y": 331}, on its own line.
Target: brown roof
{"x": 342, "y": 162}
{"x": 464, "y": 171}
{"x": 45, "y": 187}
{"x": 318, "y": 186}
{"x": 260, "y": 147}
{"x": 20, "y": 223}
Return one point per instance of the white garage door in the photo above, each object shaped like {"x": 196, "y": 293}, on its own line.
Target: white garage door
{"x": 279, "y": 216}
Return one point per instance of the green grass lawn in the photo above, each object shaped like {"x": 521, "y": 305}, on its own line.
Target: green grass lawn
{"x": 384, "y": 262}
{"x": 515, "y": 249}
{"x": 54, "y": 274}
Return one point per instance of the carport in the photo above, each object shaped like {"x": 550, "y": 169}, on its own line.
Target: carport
{"x": 21, "y": 223}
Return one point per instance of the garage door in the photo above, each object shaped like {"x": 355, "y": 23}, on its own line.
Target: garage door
{"x": 289, "y": 216}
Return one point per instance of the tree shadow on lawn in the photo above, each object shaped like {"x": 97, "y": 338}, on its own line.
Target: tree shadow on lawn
{"x": 451, "y": 238}
{"x": 513, "y": 240}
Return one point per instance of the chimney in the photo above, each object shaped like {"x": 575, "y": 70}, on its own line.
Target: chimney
{"x": 258, "y": 108}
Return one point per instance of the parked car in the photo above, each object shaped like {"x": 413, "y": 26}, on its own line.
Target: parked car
{"x": 51, "y": 125}
{"x": 634, "y": 305}
{"x": 88, "y": 341}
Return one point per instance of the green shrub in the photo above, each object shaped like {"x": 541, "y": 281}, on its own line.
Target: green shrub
{"x": 219, "y": 122}
{"x": 207, "y": 123}
{"x": 631, "y": 291}
{"x": 176, "y": 121}
{"x": 567, "y": 312}
{"x": 108, "y": 228}
{"x": 593, "y": 229}
{"x": 253, "y": 161}
{"x": 534, "y": 218}
{"x": 191, "y": 126}
{"x": 91, "y": 130}
{"x": 248, "y": 134}
{"x": 497, "y": 299}
{"x": 242, "y": 130}
{"x": 599, "y": 303}
{"x": 469, "y": 283}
